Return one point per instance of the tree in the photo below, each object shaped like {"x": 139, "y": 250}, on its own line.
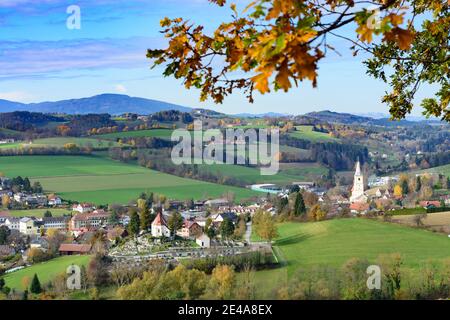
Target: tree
{"x": 222, "y": 282}
{"x": 418, "y": 184}
{"x": 277, "y": 44}
{"x": 6, "y": 201}
{"x": 316, "y": 213}
{"x": 226, "y": 228}
{"x": 47, "y": 214}
{"x": 398, "y": 191}
{"x": 175, "y": 222}
{"x": 144, "y": 214}
{"x": 4, "y": 234}
{"x": 299, "y": 206}
{"x": 266, "y": 227}
{"x": 114, "y": 218}
{"x": 27, "y": 185}
{"x": 134, "y": 225}
{"x": 35, "y": 287}
{"x": 37, "y": 187}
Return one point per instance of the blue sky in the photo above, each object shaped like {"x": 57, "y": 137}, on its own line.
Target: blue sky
{"x": 42, "y": 60}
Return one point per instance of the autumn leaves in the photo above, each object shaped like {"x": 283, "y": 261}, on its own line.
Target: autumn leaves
{"x": 275, "y": 44}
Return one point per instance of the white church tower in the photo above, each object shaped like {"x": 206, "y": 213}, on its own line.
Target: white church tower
{"x": 358, "y": 186}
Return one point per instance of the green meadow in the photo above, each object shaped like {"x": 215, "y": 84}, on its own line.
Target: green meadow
{"x": 103, "y": 181}
{"x": 38, "y": 213}
{"x": 45, "y": 271}
{"x": 307, "y": 133}
{"x": 158, "y": 133}
{"x": 333, "y": 242}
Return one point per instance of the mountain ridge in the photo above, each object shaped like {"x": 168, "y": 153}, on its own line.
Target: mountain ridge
{"x": 104, "y": 103}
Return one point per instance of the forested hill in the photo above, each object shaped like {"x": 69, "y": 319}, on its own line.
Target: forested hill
{"x": 105, "y": 103}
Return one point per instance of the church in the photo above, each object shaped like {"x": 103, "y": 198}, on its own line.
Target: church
{"x": 358, "y": 194}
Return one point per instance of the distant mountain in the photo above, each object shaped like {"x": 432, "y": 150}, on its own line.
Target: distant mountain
{"x": 105, "y": 103}
{"x": 346, "y": 118}
{"x": 260, "y": 115}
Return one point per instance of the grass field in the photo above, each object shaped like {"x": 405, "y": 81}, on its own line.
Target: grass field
{"x": 307, "y": 133}
{"x": 158, "y": 133}
{"x": 38, "y": 213}
{"x": 46, "y": 271}
{"x": 104, "y": 181}
{"x": 445, "y": 170}
{"x": 253, "y": 175}
{"x": 334, "y": 242}
{"x": 439, "y": 221}
{"x": 60, "y": 142}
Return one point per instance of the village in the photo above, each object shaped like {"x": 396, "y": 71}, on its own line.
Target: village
{"x": 177, "y": 230}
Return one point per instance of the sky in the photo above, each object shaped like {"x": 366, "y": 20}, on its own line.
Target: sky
{"x": 41, "y": 59}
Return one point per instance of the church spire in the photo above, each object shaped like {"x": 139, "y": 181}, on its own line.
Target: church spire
{"x": 358, "y": 169}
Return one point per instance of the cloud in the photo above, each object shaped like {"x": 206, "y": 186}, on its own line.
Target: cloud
{"x": 120, "y": 88}
{"x": 18, "y": 96}
{"x": 44, "y": 58}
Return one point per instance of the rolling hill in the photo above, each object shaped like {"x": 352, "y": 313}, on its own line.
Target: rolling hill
{"x": 105, "y": 103}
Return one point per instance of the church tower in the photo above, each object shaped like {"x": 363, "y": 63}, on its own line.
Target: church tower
{"x": 358, "y": 186}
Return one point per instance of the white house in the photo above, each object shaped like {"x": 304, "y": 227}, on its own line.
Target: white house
{"x": 203, "y": 241}
{"x": 83, "y": 208}
{"x": 159, "y": 227}
{"x": 54, "y": 200}
{"x": 12, "y": 223}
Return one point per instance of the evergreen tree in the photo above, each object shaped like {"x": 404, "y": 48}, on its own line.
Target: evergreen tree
{"x": 47, "y": 214}
{"x": 226, "y": 228}
{"x": 299, "y": 206}
{"x": 27, "y": 185}
{"x": 145, "y": 217}
{"x": 35, "y": 287}
{"x": 282, "y": 203}
{"x": 418, "y": 184}
{"x": 134, "y": 225}
{"x": 405, "y": 187}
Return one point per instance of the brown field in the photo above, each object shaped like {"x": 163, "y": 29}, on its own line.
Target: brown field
{"x": 439, "y": 221}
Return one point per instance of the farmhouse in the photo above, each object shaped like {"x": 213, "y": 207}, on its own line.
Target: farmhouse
{"x": 190, "y": 229}
{"x": 74, "y": 248}
{"x": 159, "y": 227}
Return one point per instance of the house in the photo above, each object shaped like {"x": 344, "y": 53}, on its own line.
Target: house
{"x": 30, "y": 199}
{"x": 218, "y": 218}
{"x": 40, "y": 243}
{"x": 6, "y": 251}
{"x": 203, "y": 241}
{"x": 59, "y": 223}
{"x": 89, "y": 220}
{"x": 216, "y": 202}
{"x": 190, "y": 229}
{"x": 430, "y": 204}
{"x": 113, "y": 233}
{"x": 54, "y": 200}
{"x": 29, "y": 226}
{"x": 159, "y": 227}
{"x": 83, "y": 207}
{"x": 5, "y": 183}
{"x": 3, "y": 216}
{"x": 12, "y": 223}
{"x": 74, "y": 248}
{"x": 124, "y": 220}
{"x": 359, "y": 207}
